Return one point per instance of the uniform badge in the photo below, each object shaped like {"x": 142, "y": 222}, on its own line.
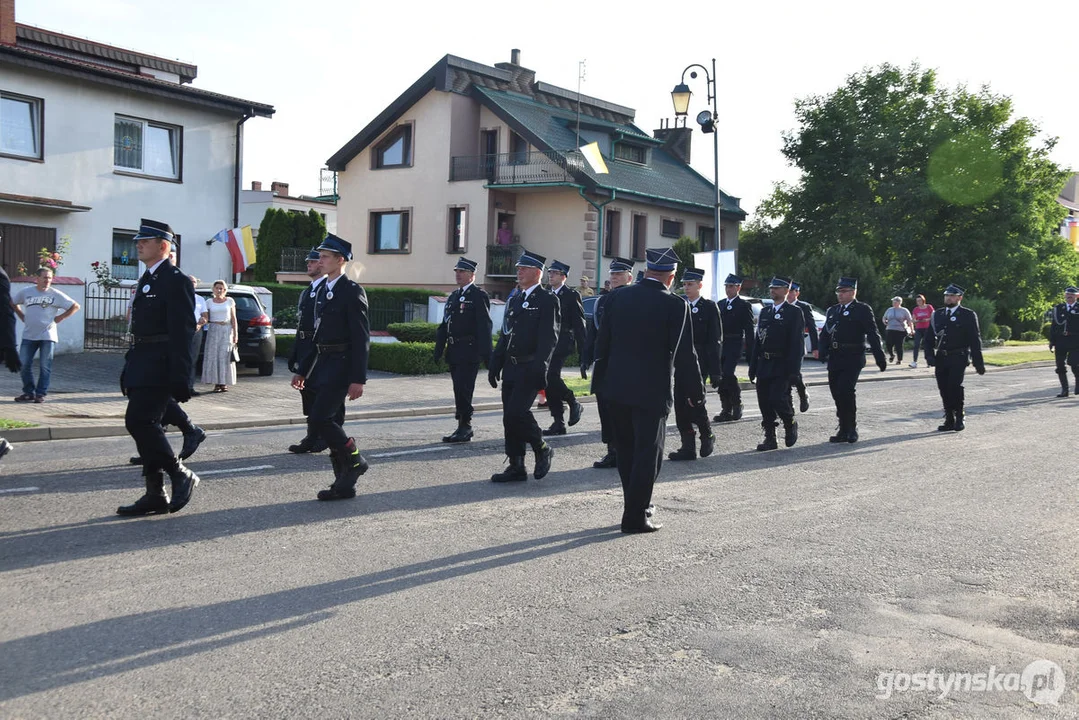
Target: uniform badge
{"x": 779, "y": 316}
{"x": 695, "y": 309}
{"x": 145, "y": 289}
{"x": 313, "y": 293}
{"x": 329, "y": 295}
{"x": 846, "y": 312}
{"x": 952, "y": 318}
{"x": 524, "y": 304}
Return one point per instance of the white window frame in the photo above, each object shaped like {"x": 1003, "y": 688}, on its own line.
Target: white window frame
{"x": 37, "y": 107}
{"x": 177, "y": 149}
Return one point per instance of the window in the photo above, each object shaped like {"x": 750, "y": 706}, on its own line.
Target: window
{"x": 518, "y": 149}
{"x": 389, "y": 232}
{"x": 612, "y": 230}
{"x": 147, "y": 148}
{"x": 706, "y": 236}
{"x": 670, "y": 228}
{"x": 631, "y": 153}
{"x": 20, "y": 126}
{"x": 395, "y": 150}
{"x": 458, "y": 231}
{"x": 640, "y": 225}
{"x": 125, "y": 262}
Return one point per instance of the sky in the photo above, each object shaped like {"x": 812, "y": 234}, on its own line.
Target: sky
{"x": 330, "y": 66}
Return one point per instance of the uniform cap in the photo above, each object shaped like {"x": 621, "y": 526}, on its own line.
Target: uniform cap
{"x": 620, "y": 264}
{"x": 797, "y": 287}
{"x": 337, "y": 245}
{"x": 1072, "y": 289}
{"x": 954, "y": 289}
{"x": 464, "y": 263}
{"x": 154, "y": 230}
{"x": 313, "y": 255}
{"x": 695, "y": 274}
{"x": 847, "y": 282}
{"x": 733, "y": 279}
{"x": 531, "y": 260}
{"x": 559, "y": 267}
{"x": 782, "y": 282}
{"x": 661, "y": 259}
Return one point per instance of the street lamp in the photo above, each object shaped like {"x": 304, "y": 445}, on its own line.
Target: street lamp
{"x": 707, "y": 120}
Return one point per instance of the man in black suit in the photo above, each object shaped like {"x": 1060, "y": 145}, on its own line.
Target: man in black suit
{"x": 1064, "y": 338}
{"x": 777, "y": 360}
{"x": 955, "y": 341}
{"x": 848, "y": 326}
{"x": 304, "y": 351}
{"x": 157, "y": 367}
{"x": 708, "y": 344}
{"x": 814, "y": 341}
{"x": 736, "y": 318}
{"x": 338, "y": 368}
{"x": 621, "y": 272}
{"x": 645, "y": 335}
{"x": 570, "y": 337}
{"x": 9, "y": 353}
{"x": 521, "y": 359}
{"x": 466, "y": 331}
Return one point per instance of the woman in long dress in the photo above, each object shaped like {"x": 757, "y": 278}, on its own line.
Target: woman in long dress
{"x": 222, "y": 336}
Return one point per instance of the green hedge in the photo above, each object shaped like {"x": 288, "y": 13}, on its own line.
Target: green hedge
{"x": 1030, "y": 336}
{"x": 284, "y": 294}
{"x": 413, "y": 331}
{"x": 284, "y": 345}
{"x": 405, "y": 358}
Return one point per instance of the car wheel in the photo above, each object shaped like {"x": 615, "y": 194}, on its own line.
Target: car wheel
{"x": 266, "y": 368}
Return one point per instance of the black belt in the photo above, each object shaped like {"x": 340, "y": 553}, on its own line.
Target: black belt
{"x": 304, "y": 335}
{"x": 772, "y": 356}
{"x": 457, "y": 341}
{"x": 340, "y": 347}
{"x": 958, "y": 351}
{"x": 144, "y": 339}
{"x": 521, "y": 359}
{"x": 847, "y": 346}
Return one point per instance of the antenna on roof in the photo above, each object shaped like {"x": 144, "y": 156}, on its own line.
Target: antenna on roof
{"x": 580, "y": 79}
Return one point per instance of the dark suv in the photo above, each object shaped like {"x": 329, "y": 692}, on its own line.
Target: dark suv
{"x": 257, "y": 344}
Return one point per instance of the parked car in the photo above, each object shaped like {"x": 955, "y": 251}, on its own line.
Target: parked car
{"x": 589, "y": 307}
{"x": 257, "y": 344}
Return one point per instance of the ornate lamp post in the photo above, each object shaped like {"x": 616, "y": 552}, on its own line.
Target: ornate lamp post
{"x": 707, "y": 120}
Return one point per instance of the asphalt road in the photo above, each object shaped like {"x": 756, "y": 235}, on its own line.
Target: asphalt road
{"x": 782, "y": 585}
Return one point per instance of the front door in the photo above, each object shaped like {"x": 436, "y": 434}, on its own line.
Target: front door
{"x": 21, "y": 244}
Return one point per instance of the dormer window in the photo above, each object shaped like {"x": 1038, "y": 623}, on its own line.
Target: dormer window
{"x": 631, "y": 153}
{"x": 395, "y": 150}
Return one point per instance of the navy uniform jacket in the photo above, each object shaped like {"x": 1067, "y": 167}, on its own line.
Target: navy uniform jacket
{"x": 955, "y": 334}
{"x": 707, "y": 337}
{"x": 644, "y": 335}
{"x": 342, "y": 335}
{"x": 303, "y": 349}
{"x": 811, "y": 326}
{"x": 845, "y": 335}
{"x": 588, "y": 351}
{"x": 465, "y": 328}
{"x": 779, "y": 346}
{"x": 571, "y": 334}
{"x": 163, "y": 307}
{"x": 529, "y": 336}
{"x": 1064, "y": 331}
{"x": 736, "y": 317}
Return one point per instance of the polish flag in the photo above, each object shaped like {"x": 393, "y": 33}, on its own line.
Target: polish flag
{"x": 241, "y": 245}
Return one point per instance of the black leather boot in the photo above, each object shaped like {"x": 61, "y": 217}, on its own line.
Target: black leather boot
{"x": 736, "y": 411}
{"x": 575, "y": 411}
{"x": 192, "y": 439}
{"x": 724, "y": 409}
{"x": 463, "y": 433}
{"x": 708, "y": 444}
{"x": 544, "y": 456}
{"x": 790, "y": 432}
{"x": 607, "y": 461}
{"x": 949, "y": 422}
{"x": 557, "y": 428}
{"x": 514, "y": 472}
{"x": 184, "y": 483}
{"x": 803, "y": 399}
{"x": 960, "y": 425}
{"x": 688, "y": 451}
{"x": 155, "y": 501}
{"x": 1064, "y": 389}
{"x": 308, "y": 445}
{"x": 349, "y": 465}
{"x": 769, "y": 442}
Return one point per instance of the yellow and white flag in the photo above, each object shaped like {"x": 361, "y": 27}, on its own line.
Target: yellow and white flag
{"x": 594, "y": 158}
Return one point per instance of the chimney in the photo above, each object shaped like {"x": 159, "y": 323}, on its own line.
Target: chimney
{"x": 515, "y": 54}
{"x": 256, "y": 185}
{"x": 279, "y": 188}
{"x": 676, "y": 140}
{"x": 7, "y": 22}
{"x": 523, "y": 78}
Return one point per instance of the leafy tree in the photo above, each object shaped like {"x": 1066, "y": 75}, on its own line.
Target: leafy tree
{"x": 275, "y": 232}
{"x": 930, "y": 185}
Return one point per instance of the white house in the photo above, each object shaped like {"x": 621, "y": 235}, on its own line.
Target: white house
{"x": 95, "y": 137}
{"x": 253, "y": 206}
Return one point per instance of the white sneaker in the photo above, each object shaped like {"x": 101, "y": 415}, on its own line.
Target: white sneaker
{"x": 914, "y": 364}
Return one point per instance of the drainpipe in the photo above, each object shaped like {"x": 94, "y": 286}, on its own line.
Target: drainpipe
{"x": 239, "y": 176}
{"x": 599, "y": 231}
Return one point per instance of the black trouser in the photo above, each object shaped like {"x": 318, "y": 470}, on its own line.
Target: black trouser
{"x": 729, "y": 391}
{"x": 687, "y": 417}
{"x": 519, "y": 424}
{"x": 774, "y": 398}
{"x": 175, "y": 415}
{"x": 604, "y": 410}
{"x": 638, "y": 437}
{"x": 557, "y": 392}
{"x": 307, "y": 398}
{"x": 1067, "y": 356}
{"x": 844, "y": 367}
{"x": 949, "y": 370}
{"x": 145, "y": 410}
{"x": 893, "y": 340}
{"x": 464, "y": 387}
{"x": 920, "y": 336}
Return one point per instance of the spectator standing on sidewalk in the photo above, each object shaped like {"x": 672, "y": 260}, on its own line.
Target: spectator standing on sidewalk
{"x": 218, "y": 367}
{"x": 898, "y": 323}
{"x": 43, "y": 307}
{"x": 921, "y": 313}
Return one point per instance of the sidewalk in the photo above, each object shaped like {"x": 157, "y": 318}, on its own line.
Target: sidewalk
{"x": 85, "y": 401}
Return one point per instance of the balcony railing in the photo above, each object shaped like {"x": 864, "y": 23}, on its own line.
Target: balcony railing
{"x": 516, "y": 168}
{"x": 294, "y": 259}
{"x": 502, "y": 259}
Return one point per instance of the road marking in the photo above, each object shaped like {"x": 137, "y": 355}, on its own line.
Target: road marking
{"x": 25, "y": 489}
{"x": 410, "y": 452}
{"x": 203, "y": 473}
{"x": 567, "y": 435}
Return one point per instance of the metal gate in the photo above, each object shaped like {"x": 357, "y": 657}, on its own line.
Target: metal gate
{"x": 105, "y": 317}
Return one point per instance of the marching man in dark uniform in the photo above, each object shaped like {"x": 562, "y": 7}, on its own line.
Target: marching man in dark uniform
{"x": 570, "y": 338}
{"x": 847, "y": 326}
{"x": 736, "y": 317}
{"x": 777, "y": 360}
{"x": 811, "y": 333}
{"x": 621, "y": 272}
{"x": 1064, "y": 338}
{"x": 521, "y": 359}
{"x": 304, "y": 351}
{"x": 338, "y": 367}
{"x": 955, "y": 341}
{"x": 465, "y": 334}
{"x": 708, "y": 344}
{"x": 157, "y": 367}
{"x": 9, "y": 352}
{"x": 645, "y": 335}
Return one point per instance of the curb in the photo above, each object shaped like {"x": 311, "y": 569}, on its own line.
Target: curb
{"x": 36, "y": 434}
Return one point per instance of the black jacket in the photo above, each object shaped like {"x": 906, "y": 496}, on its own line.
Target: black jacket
{"x": 342, "y": 335}
{"x": 588, "y": 350}
{"x": 645, "y": 336}
{"x": 736, "y": 318}
{"x": 164, "y": 306}
{"x": 7, "y": 314}
{"x": 466, "y": 328}
{"x": 707, "y": 338}
{"x": 1064, "y": 330}
{"x": 528, "y": 337}
{"x": 303, "y": 348}
{"x": 954, "y": 334}
{"x": 779, "y": 346}
{"x": 571, "y": 333}
{"x": 811, "y": 325}
{"x": 846, "y": 332}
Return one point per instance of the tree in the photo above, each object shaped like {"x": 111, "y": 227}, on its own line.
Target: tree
{"x": 930, "y": 185}
{"x": 684, "y": 247}
{"x": 275, "y": 232}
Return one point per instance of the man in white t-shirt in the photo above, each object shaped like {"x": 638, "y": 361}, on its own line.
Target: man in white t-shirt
{"x": 42, "y": 307}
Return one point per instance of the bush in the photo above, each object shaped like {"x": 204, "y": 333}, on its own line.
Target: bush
{"x": 1005, "y": 333}
{"x": 1045, "y": 331}
{"x": 284, "y": 294}
{"x": 284, "y": 345}
{"x": 422, "y": 332}
{"x": 990, "y": 331}
{"x": 405, "y": 358}
{"x": 1030, "y": 336}
{"x": 287, "y": 317}
{"x": 986, "y": 310}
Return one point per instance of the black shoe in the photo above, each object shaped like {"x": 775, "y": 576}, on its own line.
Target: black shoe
{"x": 352, "y": 466}
{"x": 723, "y": 417}
{"x": 852, "y": 434}
{"x": 605, "y": 462}
{"x": 841, "y": 435}
{"x": 803, "y": 404}
{"x": 304, "y": 446}
{"x": 790, "y": 433}
{"x": 769, "y": 443}
{"x": 463, "y": 433}
{"x": 515, "y": 472}
{"x": 184, "y": 483}
{"x": 708, "y": 444}
{"x": 949, "y": 422}
{"x": 336, "y": 493}
{"x": 736, "y": 411}
{"x": 145, "y": 505}
{"x": 575, "y": 412}
{"x": 192, "y": 440}
{"x": 135, "y": 460}
{"x": 1064, "y": 392}
{"x": 960, "y": 426}
{"x": 644, "y": 527}
{"x": 683, "y": 453}
{"x": 557, "y": 428}
{"x": 543, "y": 462}
{"x": 5, "y": 447}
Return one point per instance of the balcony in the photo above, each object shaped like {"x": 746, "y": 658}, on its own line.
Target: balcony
{"x": 516, "y": 168}
{"x": 294, "y": 259}
{"x": 502, "y": 260}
